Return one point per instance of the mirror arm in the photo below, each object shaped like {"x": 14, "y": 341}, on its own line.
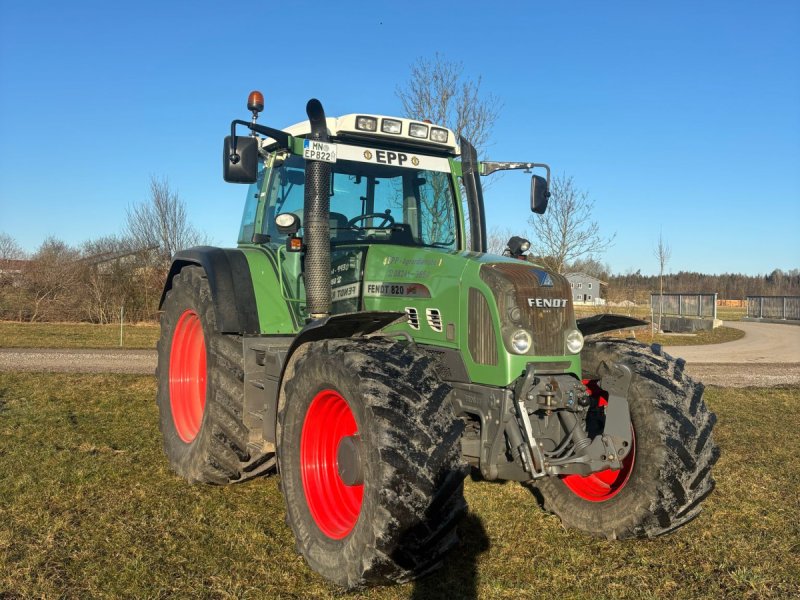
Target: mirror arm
{"x": 279, "y": 136}
{"x": 489, "y": 167}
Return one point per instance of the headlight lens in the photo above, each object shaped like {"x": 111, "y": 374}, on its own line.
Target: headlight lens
{"x": 574, "y": 341}
{"x": 438, "y": 135}
{"x": 366, "y": 123}
{"x": 521, "y": 341}
{"x": 418, "y": 130}
{"x": 391, "y": 126}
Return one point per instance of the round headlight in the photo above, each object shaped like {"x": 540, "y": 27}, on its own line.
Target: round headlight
{"x": 521, "y": 341}
{"x": 574, "y": 341}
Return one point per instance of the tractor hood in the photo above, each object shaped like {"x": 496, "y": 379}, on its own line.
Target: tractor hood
{"x": 501, "y": 313}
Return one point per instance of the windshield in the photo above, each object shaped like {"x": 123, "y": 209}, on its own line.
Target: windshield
{"x": 371, "y": 203}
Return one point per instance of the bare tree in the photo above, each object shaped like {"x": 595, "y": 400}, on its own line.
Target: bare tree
{"x": 162, "y": 222}
{"x": 11, "y": 292}
{"x": 50, "y": 283}
{"x": 9, "y": 248}
{"x": 663, "y": 253}
{"x": 567, "y": 231}
{"x": 437, "y": 89}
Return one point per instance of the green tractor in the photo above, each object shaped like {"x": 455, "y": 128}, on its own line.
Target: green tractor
{"x": 361, "y": 343}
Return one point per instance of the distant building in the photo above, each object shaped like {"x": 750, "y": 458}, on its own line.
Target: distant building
{"x": 586, "y": 289}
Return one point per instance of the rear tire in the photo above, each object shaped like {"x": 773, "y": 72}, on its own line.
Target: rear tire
{"x": 398, "y": 524}
{"x": 670, "y": 474}
{"x": 200, "y": 389}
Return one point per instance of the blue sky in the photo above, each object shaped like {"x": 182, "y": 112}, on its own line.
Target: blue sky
{"x": 679, "y": 117}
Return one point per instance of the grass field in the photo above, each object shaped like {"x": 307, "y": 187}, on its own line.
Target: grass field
{"x": 76, "y": 335}
{"x": 90, "y": 509}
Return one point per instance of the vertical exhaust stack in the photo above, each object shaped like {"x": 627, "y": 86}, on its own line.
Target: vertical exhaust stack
{"x": 316, "y": 217}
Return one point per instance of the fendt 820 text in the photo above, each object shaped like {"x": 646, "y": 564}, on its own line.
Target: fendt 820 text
{"x": 361, "y": 343}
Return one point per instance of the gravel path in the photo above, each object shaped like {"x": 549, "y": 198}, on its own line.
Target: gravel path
{"x": 762, "y": 343}
{"x": 78, "y": 360}
{"x": 767, "y": 355}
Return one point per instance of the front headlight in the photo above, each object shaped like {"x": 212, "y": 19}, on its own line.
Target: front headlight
{"x": 521, "y": 341}
{"x": 574, "y": 341}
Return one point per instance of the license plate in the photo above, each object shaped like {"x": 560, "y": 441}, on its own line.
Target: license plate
{"x": 322, "y": 151}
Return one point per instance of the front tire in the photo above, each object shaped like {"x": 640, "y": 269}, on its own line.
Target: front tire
{"x": 668, "y": 473}
{"x": 383, "y": 509}
{"x": 200, "y": 389}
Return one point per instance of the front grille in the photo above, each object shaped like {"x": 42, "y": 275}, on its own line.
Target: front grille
{"x": 513, "y": 285}
{"x": 481, "y": 335}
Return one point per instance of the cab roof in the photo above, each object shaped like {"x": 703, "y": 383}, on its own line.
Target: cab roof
{"x": 346, "y": 128}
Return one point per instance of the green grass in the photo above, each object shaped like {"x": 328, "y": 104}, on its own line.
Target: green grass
{"x": 76, "y": 335}
{"x": 90, "y": 509}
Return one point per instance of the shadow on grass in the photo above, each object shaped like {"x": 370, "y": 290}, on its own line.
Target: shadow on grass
{"x": 458, "y": 577}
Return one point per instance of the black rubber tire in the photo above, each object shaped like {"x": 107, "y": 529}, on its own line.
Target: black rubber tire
{"x": 219, "y": 453}
{"x": 675, "y": 450}
{"x": 411, "y": 455}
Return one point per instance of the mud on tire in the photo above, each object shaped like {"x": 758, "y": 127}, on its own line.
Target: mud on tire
{"x": 412, "y": 498}
{"x": 674, "y": 450}
{"x": 204, "y": 444}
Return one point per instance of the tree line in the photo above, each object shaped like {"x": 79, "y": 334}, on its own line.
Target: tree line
{"x": 99, "y": 279}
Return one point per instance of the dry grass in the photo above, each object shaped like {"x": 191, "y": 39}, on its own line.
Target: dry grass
{"x": 76, "y": 335}
{"x": 90, "y": 509}
{"x": 643, "y": 312}
{"x": 719, "y": 335}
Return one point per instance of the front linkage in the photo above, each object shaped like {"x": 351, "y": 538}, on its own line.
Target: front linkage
{"x": 547, "y": 424}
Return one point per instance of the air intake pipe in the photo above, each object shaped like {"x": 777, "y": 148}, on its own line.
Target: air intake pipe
{"x": 316, "y": 217}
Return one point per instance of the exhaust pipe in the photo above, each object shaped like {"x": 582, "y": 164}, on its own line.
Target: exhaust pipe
{"x": 317, "y": 225}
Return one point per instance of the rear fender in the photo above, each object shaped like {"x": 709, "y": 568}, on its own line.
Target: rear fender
{"x": 231, "y": 286}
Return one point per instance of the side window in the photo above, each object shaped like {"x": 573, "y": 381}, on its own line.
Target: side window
{"x": 438, "y": 220}
{"x": 248, "y": 226}
{"x": 285, "y": 192}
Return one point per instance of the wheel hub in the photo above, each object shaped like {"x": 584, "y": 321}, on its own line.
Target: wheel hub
{"x": 348, "y": 460}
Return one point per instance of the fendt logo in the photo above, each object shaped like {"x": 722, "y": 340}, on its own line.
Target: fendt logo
{"x": 547, "y": 302}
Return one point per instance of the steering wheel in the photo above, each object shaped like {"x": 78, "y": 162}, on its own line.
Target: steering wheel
{"x": 386, "y": 222}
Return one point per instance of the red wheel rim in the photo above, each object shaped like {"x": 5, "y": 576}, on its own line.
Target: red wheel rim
{"x": 603, "y": 485}
{"x": 187, "y": 376}
{"x": 334, "y": 506}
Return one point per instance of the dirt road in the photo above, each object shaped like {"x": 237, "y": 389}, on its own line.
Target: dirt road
{"x": 767, "y": 355}
{"x": 78, "y": 360}
{"x": 762, "y": 343}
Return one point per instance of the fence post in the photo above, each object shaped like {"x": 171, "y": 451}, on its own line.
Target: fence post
{"x": 121, "y": 319}
{"x": 715, "y": 306}
{"x": 761, "y": 307}
{"x": 784, "y": 308}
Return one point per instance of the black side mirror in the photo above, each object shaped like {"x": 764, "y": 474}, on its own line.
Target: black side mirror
{"x": 540, "y": 193}
{"x": 240, "y": 164}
